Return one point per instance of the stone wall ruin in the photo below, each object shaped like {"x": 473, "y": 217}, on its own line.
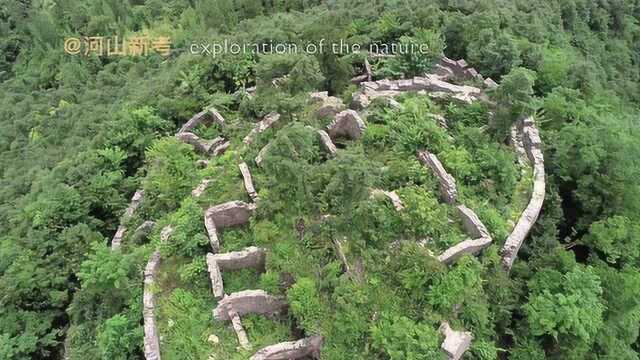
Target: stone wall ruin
{"x": 533, "y": 147}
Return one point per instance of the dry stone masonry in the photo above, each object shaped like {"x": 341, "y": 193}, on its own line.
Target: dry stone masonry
{"x": 249, "y": 302}
{"x": 122, "y": 229}
{"x": 151, "y": 341}
{"x": 431, "y": 84}
{"x": 448, "y": 189}
{"x": 307, "y": 347}
{"x": 205, "y": 147}
{"x": 472, "y": 224}
{"x": 391, "y": 195}
{"x": 145, "y": 229}
{"x": 455, "y": 342}
{"x": 261, "y": 127}
{"x": 248, "y": 182}
{"x": 261, "y": 154}
{"x": 201, "y": 188}
{"x": 251, "y": 257}
{"x": 476, "y": 229}
{"x": 206, "y": 117}
{"x": 533, "y": 147}
{"x": 224, "y": 215}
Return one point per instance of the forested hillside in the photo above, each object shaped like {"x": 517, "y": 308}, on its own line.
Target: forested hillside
{"x": 367, "y": 204}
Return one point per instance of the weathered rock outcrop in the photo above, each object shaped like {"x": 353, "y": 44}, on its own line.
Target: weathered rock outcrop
{"x": 201, "y": 188}
{"x": 448, "y": 188}
{"x": 128, "y": 213}
{"x": 430, "y": 83}
{"x": 202, "y": 146}
{"x": 533, "y": 147}
{"x": 455, "y": 342}
{"x": 249, "y": 302}
{"x": 326, "y": 142}
{"x": 263, "y": 125}
{"x": 151, "y": 340}
{"x": 391, "y": 195}
{"x": 206, "y": 117}
{"x": 248, "y": 182}
{"x": 223, "y": 215}
{"x": 251, "y": 257}
{"x": 347, "y": 124}
{"x": 307, "y": 347}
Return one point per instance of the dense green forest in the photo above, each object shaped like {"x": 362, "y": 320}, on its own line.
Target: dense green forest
{"x": 80, "y": 134}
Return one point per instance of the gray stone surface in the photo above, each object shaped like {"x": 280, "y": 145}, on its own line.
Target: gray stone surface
{"x": 200, "y": 145}
{"x": 206, "y": 117}
{"x": 431, "y": 84}
{"x": 261, "y": 154}
{"x": 391, "y": 195}
{"x": 227, "y": 214}
{"x": 221, "y": 149}
{"x": 455, "y": 342}
{"x": 248, "y": 181}
{"x": 448, "y": 188}
{"x": 249, "y": 302}
{"x": 307, "y": 347}
{"x": 151, "y": 340}
{"x": 215, "y": 276}
{"x": 347, "y": 124}
{"x": 116, "y": 242}
{"x": 145, "y": 229}
{"x": 466, "y": 247}
{"x": 201, "y": 188}
{"x": 472, "y": 224}
{"x": 330, "y": 107}
{"x": 236, "y": 323}
{"x": 440, "y": 120}
{"x": 262, "y": 126}
{"x": 533, "y": 148}
{"x": 212, "y": 233}
{"x": 490, "y": 84}
{"x": 230, "y": 213}
{"x": 166, "y": 233}
{"x": 326, "y": 142}
{"x": 319, "y": 96}
{"x": 251, "y": 257}
{"x": 202, "y": 163}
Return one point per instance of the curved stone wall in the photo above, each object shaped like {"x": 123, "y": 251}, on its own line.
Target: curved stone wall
{"x": 533, "y": 147}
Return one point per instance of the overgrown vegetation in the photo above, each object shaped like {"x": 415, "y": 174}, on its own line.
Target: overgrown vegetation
{"x": 79, "y": 134}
